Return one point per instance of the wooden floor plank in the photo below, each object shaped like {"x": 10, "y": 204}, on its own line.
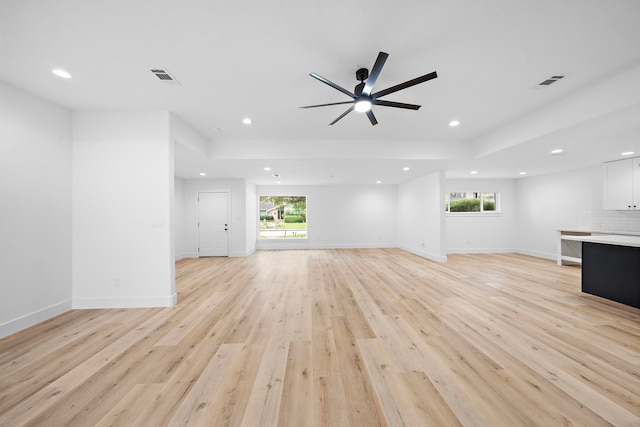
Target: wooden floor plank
{"x": 297, "y": 391}
{"x": 132, "y": 407}
{"x": 193, "y": 315}
{"x": 197, "y": 407}
{"x": 353, "y": 337}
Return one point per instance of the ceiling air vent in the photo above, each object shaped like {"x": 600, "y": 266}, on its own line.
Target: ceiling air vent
{"x": 164, "y": 75}
{"x": 551, "y": 80}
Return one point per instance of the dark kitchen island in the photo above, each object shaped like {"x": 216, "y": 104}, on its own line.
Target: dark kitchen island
{"x": 611, "y": 268}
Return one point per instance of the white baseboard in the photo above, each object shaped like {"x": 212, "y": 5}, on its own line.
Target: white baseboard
{"x": 184, "y": 255}
{"x": 432, "y": 257}
{"x": 123, "y": 302}
{"x": 480, "y": 251}
{"x": 537, "y": 254}
{"x": 28, "y": 320}
{"x": 292, "y": 245}
{"x": 243, "y": 254}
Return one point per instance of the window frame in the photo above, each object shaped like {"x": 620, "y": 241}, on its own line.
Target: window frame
{"x": 482, "y": 212}
{"x": 286, "y": 239}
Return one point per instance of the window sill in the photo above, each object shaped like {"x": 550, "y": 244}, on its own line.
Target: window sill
{"x": 473, "y": 214}
{"x": 286, "y": 239}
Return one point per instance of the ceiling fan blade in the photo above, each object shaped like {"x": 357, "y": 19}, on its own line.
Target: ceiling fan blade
{"x": 332, "y": 84}
{"x": 405, "y": 85}
{"x": 395, "y": 104}
{"x": 372, "y": 118}
{"x": 375, "y": 72}
{"x": 341, "y": 116}
{"x": 326, "y": 105}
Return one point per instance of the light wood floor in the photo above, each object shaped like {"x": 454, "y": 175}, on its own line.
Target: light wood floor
{"x": 337, "y": 338}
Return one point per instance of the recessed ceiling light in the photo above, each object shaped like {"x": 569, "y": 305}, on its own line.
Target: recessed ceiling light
{"x": 215, "y": 130}
{"x": 523, "y": 173}
{"x": 556, "y": 151}
{"x": 406, "y": 168}
{"x": 378, "y": 182}
{"x": 267, "y": 168}
{"x": 61, "y": 73}
{"x": 627, "y": 153}
{"x": 454, "y": 123}
{"x": 203, "y": 174}
{"x": 246, "y": 121}
{"x": 473, "y": 172}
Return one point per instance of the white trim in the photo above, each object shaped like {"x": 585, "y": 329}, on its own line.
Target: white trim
{"x": 432, "y": 257}
{"x": 474, "y": 214}
{"x": 125, "y": 302}
{"x": 38, "y": 316}
{"x": 480, "y": 251}
{"x": 289, "y": 244}
{"x": 537, "y": 254}
{"x": 243, "y": 254}
{"x": 184, "y": 255}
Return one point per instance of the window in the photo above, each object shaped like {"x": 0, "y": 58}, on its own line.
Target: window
{"x": 472, "y": 202}
{"x": 283, "y": 217}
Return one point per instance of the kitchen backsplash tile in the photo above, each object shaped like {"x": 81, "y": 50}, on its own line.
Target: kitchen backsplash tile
{"x": 609, "y": 220}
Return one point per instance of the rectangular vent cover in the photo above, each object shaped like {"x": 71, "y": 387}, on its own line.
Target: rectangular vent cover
{"x": 551, "y": 80}
{"x": 164, "y": 75}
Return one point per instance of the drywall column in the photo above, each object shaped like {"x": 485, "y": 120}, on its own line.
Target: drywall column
{"x": 421, "y": 220}
{"x": 251, "y": 217}
{"x": 123, "y": 253}
{"x": 35, "y": 218}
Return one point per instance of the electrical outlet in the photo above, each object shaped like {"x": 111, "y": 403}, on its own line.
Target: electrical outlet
{"x": 116, "y": 282}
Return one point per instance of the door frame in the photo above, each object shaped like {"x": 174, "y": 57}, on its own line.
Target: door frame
{"x": 197, "y": 229}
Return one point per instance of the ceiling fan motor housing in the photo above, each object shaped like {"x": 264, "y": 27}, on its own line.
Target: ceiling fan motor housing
{"x": 362, "y": 74}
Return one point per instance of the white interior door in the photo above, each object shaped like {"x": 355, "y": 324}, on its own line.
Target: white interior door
{"x": 213, "y": 224}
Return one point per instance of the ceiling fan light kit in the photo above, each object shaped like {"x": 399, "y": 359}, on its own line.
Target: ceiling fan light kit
{"x": 362, "y": 99}
{"x": 362, "y": 106}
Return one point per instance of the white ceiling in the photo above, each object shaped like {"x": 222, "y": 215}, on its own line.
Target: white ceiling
{"x": 237, "y": 59}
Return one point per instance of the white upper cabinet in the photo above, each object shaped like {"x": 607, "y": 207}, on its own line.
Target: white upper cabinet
{"x": 622, "y": 184}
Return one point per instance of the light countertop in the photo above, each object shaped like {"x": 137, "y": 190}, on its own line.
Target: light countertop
{"x": 599, "y": 232}
{"x": 607, "y": 239}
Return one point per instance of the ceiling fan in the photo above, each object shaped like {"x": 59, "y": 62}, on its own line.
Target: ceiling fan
{"x": 363, "y": 99}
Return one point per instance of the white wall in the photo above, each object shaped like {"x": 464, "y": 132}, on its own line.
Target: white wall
{"x": 549, "y": 202}
{"x": 349, "y": 216}
{"x": 186, "y": 136}
{"x": 421, "y": 221}
{"x": 180, "y": 221}
{"x": 237, "y": 228}
{"x": 251, "y": 216}
{"x": 35, "y": 213}
{"x": 483, "y": 233}
{"x": 122, "y": 197}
